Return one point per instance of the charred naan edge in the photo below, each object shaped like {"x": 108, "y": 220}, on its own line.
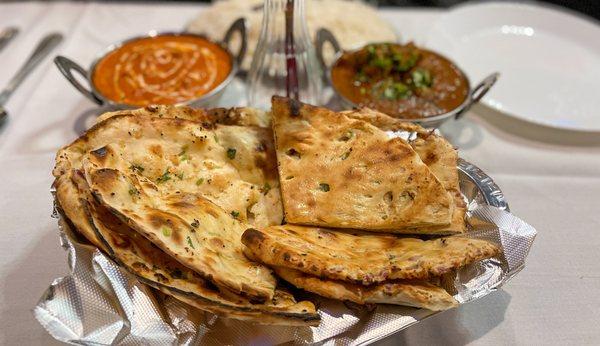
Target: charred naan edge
{"x": 242, "y": 116}
{"x": 233, "y": 166}
{"x": 68, "y": 199}
{"x": 299, "y": 314}
{"x": 154, "y": 267}
{"x": 163, "y": 111}
{"x": 417, "y": 294}
{"x": 195, "y": 231}
{"x": 384, "y": 121}
{"x": 437, "y": 153}
{"x": 346, "y": 173}
{"x": 364, "y": 258}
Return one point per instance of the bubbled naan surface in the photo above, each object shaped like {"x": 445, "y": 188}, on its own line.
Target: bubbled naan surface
{"x": 437, "y": 153}
{"x": 152, "y": 265}
{"x": 187, "y": 226}
{"x": 361, "y": 258}
{"x": 341, "y": 172}
{"x": 233, "y": 166}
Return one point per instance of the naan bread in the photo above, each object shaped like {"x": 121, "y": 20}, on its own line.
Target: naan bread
{"x": 282, "y": 311}
{"x": 384, "y": 121}
{"x": 195, "y": 231}
{"x": 437, "y": 153}
{"x": 417, "y": 294}
{"x": 163, "y": 111}
{"x": 70, "y": 204}
{"x": 233, "y": 166}
{"x": 364, "y": 258}
{"x": 340, "y": 172}
{"x": 241, "y": 116}
{"x": 153, "y": 266}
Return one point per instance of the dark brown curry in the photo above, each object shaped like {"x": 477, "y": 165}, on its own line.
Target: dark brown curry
{"x": 403, "y": 81}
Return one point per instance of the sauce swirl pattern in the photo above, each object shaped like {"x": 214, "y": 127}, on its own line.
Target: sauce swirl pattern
{"x": 165, "y": 69}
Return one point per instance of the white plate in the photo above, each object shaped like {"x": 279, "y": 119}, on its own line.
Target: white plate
{"x": 549, "y": 60}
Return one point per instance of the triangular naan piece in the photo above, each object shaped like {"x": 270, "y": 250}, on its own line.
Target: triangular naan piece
{"x": 142, "y": 258}
{"x": 342, "y": 172}
{"x": 188, "y": 227}
{"x": 233, "y": 166}
{"x": 437, "y": 153}
{"x": 361, "y": 258}
{"x": 418, "y": 294}
{"x": 252, "y": 171}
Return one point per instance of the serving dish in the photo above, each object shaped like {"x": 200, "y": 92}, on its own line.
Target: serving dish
{"x": 189, "y": 151}
{"x": 557, "y": 89}
{"x": 473, "y": 96}
{"x": 68, "y": 67}
{"x": 82, "y": 299}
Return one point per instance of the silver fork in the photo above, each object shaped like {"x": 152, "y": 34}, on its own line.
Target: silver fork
{"x": 43, "y": 48}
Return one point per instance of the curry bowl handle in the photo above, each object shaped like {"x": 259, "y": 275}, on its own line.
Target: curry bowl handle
{"x": 238, "y": 26}
{"x": 324, "y": 36}
{"x": 479, "y": 92}
{"x": 66, "y": 67}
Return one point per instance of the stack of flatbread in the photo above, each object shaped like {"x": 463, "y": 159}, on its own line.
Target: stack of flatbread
{"x": 346, "y": 175}
{"x": 218, "y": 208}
{"x": 167, "y": 193}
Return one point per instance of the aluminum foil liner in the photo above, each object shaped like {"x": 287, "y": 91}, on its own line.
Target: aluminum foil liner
{"x": 99, "y": 303}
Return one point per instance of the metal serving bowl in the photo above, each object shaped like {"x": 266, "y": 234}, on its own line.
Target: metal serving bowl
{"x": 67, "y": 67}
{"x": 475, "y": 94}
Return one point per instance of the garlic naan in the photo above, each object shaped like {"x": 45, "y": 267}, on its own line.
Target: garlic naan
{"x": 341, "y": 172}
{"x": 437, "y": 153}
{"x": 195, "y": 231}
{"x": 364, "y": 258}
{"x": 417, "y": 294}
{"x": 241, "y": 116}
{"x": 233, "y": 166}
{"x": 142, "y": 258}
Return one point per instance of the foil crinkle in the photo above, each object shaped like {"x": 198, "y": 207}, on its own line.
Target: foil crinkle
{"x": 99, "y": 303}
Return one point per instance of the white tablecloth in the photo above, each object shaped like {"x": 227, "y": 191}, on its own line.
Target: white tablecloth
{"x": 551, "y": 179}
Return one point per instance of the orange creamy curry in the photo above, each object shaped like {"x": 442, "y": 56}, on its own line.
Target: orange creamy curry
{"x": 166, "y": 69}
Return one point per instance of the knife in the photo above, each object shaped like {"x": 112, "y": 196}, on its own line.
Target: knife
{"x": 7, "y": 35}
{"x": 44, "y": 47}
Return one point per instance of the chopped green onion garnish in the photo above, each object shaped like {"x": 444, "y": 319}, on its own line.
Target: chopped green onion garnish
{"x": 231, "y": 153}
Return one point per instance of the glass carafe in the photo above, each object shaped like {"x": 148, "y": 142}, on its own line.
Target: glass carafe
{"x": 285, "y": 62}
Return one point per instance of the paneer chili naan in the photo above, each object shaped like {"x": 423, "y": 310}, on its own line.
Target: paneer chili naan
{"x": 153, "y": 266}
{"x": 437, "y": 153}
{"x": 361, "y": 258}
{"x": 417, "y": 294}
{"x": 346, "y": 173}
